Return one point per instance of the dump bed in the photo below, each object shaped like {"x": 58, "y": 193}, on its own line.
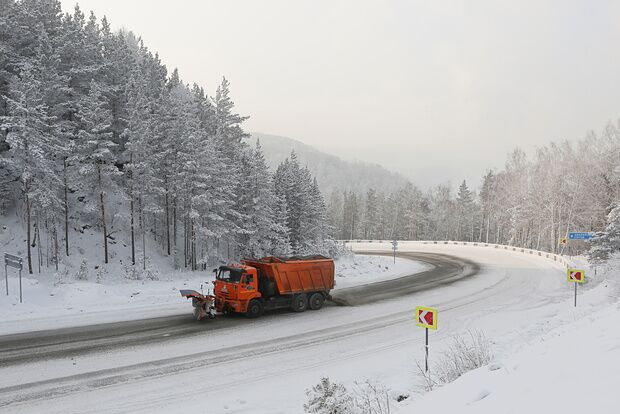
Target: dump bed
{"x": 297, "y": 274}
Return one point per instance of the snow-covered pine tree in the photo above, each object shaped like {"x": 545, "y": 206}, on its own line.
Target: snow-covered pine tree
{"x": 317, "y": 233}
{"x": 464, "y": 206}
{"x": 413, "y": 212}
{"x": 118, "y": 62}
{"x": 351, "y": 213}
{"x": 487, "y": 204}
{"x": 307, "y": 214}
{"x": 139, "y": 171}
{"x": 143, "y": 144}
{"x": 335, "y": 207}
{"x": 328, "y": 397}
{"x": 95, "y": 157}
{"x": 288, "y": 185}
{"x": 371, "y": 215}
{"x": 264, "y": 234}
{"x": 607, "y": 242}
{"x": 229, "y": 145}
{"x": 33, "y": 145}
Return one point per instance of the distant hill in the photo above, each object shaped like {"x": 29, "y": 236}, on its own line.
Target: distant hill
{"x": 331, "y": 172}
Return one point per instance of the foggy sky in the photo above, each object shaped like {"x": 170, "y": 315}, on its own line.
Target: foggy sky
{"x": 438, "y": 90}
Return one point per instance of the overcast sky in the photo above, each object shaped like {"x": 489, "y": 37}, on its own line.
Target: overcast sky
{"x": 438, "y": 90}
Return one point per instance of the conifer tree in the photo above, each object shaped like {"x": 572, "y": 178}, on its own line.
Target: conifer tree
{"x": 95, "y": 155}
{"x": 607, "y": 242}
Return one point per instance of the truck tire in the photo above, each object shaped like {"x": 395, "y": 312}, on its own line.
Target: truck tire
{"x": 316, "y": 301}
{"x": 255, "y": 309}
{"x": 300, "y": 302}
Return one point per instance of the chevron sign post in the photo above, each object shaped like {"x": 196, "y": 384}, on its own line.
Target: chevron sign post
{"x": 575, "y": 276}
{"x": 426, "y": 318}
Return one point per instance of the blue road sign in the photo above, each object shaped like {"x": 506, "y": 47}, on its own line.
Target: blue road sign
{"x": 580, "y": 235}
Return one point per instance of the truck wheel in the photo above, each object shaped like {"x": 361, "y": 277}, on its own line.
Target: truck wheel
{"x": 316, "y": 301}
{"x": 255, "y": 309}
{"x": 300, "y": 303}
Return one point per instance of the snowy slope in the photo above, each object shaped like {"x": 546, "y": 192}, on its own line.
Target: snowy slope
{"x": 572, "y": 368}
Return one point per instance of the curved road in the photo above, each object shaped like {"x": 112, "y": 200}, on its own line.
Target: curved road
{"x": 66, "y": 342}
{"x": 27, "y": 348}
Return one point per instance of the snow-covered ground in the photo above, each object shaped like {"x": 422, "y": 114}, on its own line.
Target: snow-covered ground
{"x": 523, "y": 304}
{"x": 573, "y": 367}
{"x": 357, "y": 270}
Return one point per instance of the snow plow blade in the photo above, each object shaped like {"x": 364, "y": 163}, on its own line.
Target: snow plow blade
{"x": 187, "y": 293}
{"x": 204, "y": 305}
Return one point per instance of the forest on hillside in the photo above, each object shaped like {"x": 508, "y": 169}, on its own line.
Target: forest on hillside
{"x": 532, "y": 202}
{"x": 96, "y": 133}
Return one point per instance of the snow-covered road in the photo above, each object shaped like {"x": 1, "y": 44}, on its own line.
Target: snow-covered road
{"x": 264, "y": 366}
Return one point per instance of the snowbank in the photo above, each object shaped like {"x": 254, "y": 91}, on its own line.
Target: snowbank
{"x": 573, "y": 368}
{"x": 360, "y": 269}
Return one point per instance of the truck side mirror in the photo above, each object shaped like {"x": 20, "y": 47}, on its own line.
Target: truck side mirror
{"x": 215, "y": 270}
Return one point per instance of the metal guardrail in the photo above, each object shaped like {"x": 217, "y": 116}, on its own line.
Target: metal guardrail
{"x": 551, "y": 256}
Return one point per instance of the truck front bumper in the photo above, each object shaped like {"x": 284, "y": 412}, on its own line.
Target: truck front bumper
{"x": 224, "y": 305}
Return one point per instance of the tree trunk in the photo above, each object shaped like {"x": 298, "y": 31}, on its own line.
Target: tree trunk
{"x": 488, "y": 228}
{"x": 28, "y": 238}
{"x": 185, "y": 239}
{"x": 102, "y": 205}
{"x": 193, "y": 245}
{"x": 55, "y": 245}
{"x": 174, "y": 224}
{"x": 143, "y": 229}
{"x": 66, "y": 202}
{"x": 133, "y": 240}
{"x": 38, "y": 238}
{"x": 131, "y": 207}
{"x": 47, "y": 244}
{"x": 167, "y": 224}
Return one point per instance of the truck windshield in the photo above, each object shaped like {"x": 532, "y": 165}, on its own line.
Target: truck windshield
{"x": 228, "y": 274}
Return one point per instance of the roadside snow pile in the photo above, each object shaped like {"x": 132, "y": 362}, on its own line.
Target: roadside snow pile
{"x": 358, "y": 270}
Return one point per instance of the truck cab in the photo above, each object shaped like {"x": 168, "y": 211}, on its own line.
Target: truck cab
{"x": 235, "y": 287}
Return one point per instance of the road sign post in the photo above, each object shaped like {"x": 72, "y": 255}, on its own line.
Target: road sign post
{"x": 426, "y": 347}
{"x": 394, "y": 248}
{"x": 426, "y": 318}
{"x": 16, "y": 262}
{"x": 575, "y": 276}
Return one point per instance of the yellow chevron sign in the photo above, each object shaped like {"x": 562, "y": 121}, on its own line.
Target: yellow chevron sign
{"x": 576, "y": 275}
{"x": 426, "y": 317}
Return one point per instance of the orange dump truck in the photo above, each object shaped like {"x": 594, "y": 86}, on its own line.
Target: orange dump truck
{"x": 256, "y": 285}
